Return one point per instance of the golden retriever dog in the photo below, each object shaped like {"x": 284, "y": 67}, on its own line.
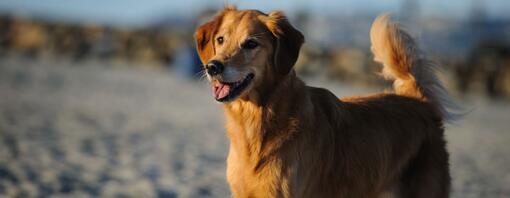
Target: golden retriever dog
{"x": 291, "y": 140}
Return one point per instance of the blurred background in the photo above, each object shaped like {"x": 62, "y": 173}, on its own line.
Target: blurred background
{"x": 106, "y": 98}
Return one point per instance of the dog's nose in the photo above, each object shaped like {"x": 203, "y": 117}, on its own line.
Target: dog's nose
{"x": 214, "y": 67}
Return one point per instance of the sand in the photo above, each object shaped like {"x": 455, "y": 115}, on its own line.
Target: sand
{"x": 111, "y": 130}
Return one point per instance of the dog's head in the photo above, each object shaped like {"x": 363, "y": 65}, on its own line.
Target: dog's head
{"x": 244, "y": 52}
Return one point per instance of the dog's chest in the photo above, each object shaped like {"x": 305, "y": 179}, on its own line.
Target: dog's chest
{"x": 245, "y": 181}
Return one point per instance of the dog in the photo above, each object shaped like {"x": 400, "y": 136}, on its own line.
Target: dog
{"x": 291, "y": 140}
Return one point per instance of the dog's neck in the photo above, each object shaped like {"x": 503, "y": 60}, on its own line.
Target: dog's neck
{"x": 256, "y": 128}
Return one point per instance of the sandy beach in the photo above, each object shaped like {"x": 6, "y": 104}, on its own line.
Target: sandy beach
{"x": 107, "y": 130}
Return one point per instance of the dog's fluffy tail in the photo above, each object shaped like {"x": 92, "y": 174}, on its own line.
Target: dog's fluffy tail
{"x": 413, "y": 74}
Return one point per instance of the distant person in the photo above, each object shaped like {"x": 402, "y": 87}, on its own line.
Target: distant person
{"x": 187, "y": 61}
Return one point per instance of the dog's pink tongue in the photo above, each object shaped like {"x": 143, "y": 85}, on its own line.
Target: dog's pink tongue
{"x": 220, "y": 90}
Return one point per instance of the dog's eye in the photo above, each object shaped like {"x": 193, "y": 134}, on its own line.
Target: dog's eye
{"x": 220, "y": 40}
{"x": 250, "y": 44}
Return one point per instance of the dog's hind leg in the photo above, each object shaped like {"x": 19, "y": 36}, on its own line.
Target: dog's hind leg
{"x": 427, "y": 175}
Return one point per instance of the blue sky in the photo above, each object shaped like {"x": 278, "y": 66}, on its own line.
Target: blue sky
{"x": 140, "y": 11}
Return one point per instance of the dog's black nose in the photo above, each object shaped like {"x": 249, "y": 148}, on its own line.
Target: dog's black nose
{"x": 214, "y": 67}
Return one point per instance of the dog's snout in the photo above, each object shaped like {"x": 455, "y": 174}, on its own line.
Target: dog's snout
{"x": 214, "y": 67}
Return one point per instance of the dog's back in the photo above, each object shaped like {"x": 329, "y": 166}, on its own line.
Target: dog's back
{"x": 383, "y": 145}
{"x": 392, "y": 143}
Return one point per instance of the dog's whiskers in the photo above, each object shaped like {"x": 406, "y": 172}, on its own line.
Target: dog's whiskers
{"x": 202, "y": 75}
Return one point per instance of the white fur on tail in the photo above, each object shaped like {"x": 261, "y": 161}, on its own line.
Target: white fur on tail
{"x": 414, "y": 74}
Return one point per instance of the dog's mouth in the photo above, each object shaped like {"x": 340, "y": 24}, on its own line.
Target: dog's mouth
{"x": 227, "y": 91}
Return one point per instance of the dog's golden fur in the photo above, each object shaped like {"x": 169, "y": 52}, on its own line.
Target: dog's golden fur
{"x": 291, "y": 140}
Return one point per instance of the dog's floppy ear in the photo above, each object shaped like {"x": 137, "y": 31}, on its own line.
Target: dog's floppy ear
{"x": 204, "y": 35}
{"x": 288, "y": 41}
{"x": 204, "y": 39}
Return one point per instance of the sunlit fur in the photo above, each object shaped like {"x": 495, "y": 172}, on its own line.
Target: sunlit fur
{"x": 291, "y": 140}
{"x": 413, "y": 72}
